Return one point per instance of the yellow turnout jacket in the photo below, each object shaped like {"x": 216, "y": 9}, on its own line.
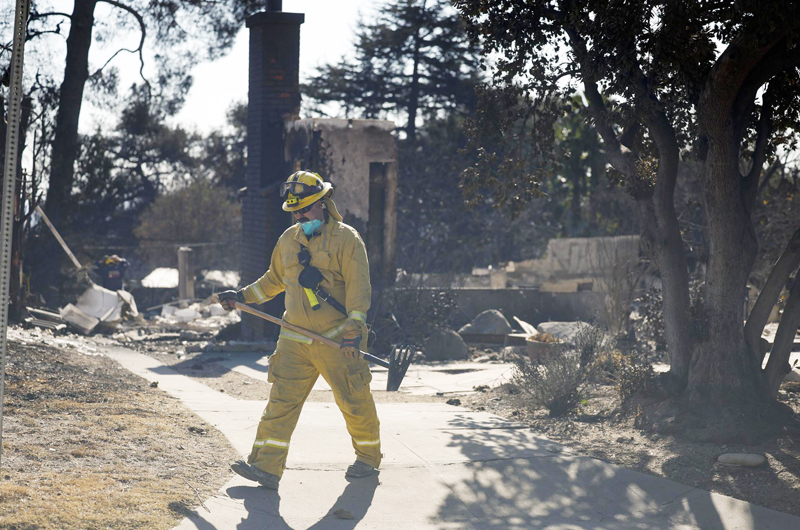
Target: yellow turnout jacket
{"x": 340, "y": 255}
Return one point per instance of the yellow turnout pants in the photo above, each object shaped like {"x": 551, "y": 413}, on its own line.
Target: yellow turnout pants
{"x": 293, "y": 370}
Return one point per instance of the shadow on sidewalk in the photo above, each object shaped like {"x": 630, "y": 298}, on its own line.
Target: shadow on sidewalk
{"x": 263, "y": 506}
{"x": 355, "y": 500}
{"x": 509, "y": 489}
{"x": 216, "y": 364}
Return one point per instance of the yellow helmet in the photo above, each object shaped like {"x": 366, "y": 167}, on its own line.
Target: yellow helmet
{"x": 302, "y": 189}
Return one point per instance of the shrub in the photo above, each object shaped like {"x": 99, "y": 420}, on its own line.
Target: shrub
{"x": 650, "y": 324}
{"x": 409, "y": 315}
{"x": 557, "y": 383}
{"x": 635, "y": 376}
{"x": 590, "y": 343}
{"x": 607, "y": 365}
{"x": 545, "y": 337}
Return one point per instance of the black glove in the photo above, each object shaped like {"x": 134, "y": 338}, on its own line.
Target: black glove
{"x": 350, "y": 343}
{"x": 229, "y": 298}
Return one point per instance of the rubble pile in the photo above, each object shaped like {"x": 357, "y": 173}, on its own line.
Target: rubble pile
{"x": 100, "y": 311}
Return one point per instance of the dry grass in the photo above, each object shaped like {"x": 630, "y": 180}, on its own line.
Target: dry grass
{"x": 88, "y": 445}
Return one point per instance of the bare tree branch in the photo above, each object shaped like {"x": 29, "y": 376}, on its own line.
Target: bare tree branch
{"x": 618, "y": 155}
{"x": 783, "y": 269}
{"x": 140, "y": 49}
{"x": 735, "y": 78}
{"x": 777, "y": 164}
{"x": 779, "y": 59}
{"x": 30, "y": 35}
{"x": 778, "y": 364}
{"x": 36, "y": 16}
{"x": 764, "y": 130}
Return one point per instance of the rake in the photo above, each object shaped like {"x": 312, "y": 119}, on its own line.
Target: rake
{"x": 399, "y": 359}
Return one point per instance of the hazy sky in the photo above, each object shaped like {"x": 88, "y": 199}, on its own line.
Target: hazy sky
{"x": 325, "y": 36}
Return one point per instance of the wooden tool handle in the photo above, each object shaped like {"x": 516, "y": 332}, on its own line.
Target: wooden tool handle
{"x": 303, "y": 331}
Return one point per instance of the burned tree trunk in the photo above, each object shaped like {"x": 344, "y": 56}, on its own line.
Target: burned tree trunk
{"x": 65, "y": 143}
{"x": 661, "y": 229}
{"x": 723, "y": 368}
{"x": 15, "y": 292}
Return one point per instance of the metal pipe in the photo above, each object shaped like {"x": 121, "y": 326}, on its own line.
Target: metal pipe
{"x": 9, "y": 180}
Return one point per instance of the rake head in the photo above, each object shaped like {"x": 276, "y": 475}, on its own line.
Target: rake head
{"x": 399, "y": 361}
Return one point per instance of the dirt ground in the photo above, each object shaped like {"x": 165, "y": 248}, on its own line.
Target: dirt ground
{"x": 88, "y": 445}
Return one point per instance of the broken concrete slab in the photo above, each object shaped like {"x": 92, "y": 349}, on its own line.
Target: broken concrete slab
{"x": 223, "y": 279}
{"x": 185, "y": 314}
{"x": 98, "y": 306}
{"x": 78, "y": 320}
{"x": 103, "y": 304}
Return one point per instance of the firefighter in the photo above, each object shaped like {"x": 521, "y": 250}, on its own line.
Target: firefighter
{"x": 338, "y": 252}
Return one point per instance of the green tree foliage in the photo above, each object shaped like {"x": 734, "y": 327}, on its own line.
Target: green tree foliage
{"x": 122, "y": 172}
{"x": 543, "y": 157}
{"x": 197, "y": 215}
{"x": 225, "y": 152}
{"x": 413, "y": 60}
{"x": 439, "y": 230}
{"x": 712, "y": 83}
{"x": 175, "y": 33}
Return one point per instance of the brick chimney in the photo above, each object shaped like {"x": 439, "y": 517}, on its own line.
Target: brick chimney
{"x": 273, "y": 99}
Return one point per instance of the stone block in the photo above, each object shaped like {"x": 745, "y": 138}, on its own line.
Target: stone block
{"x": 490, "y": 322}
{"x": 445, "y": 345}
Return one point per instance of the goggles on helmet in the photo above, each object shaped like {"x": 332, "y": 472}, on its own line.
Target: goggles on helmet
{"x": 299, "y": 189}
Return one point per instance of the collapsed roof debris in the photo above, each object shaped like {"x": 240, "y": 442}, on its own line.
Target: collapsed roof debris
{"x": 98, "y": 305}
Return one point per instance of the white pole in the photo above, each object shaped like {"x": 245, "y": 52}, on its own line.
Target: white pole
{"x": 9, "y": 180}
{"x": 58, "y": 237}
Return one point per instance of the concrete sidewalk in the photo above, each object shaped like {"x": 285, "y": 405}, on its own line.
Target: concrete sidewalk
{"x": 421, "y": 379}
{"x": 445, "y": 467}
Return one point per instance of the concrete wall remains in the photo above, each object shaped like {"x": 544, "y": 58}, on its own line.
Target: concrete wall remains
{"x": 359, "y": 157}
{"x": 531, "y": 305}
{"x": 575, "y": 260}
{"x": 569, "y": 265}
